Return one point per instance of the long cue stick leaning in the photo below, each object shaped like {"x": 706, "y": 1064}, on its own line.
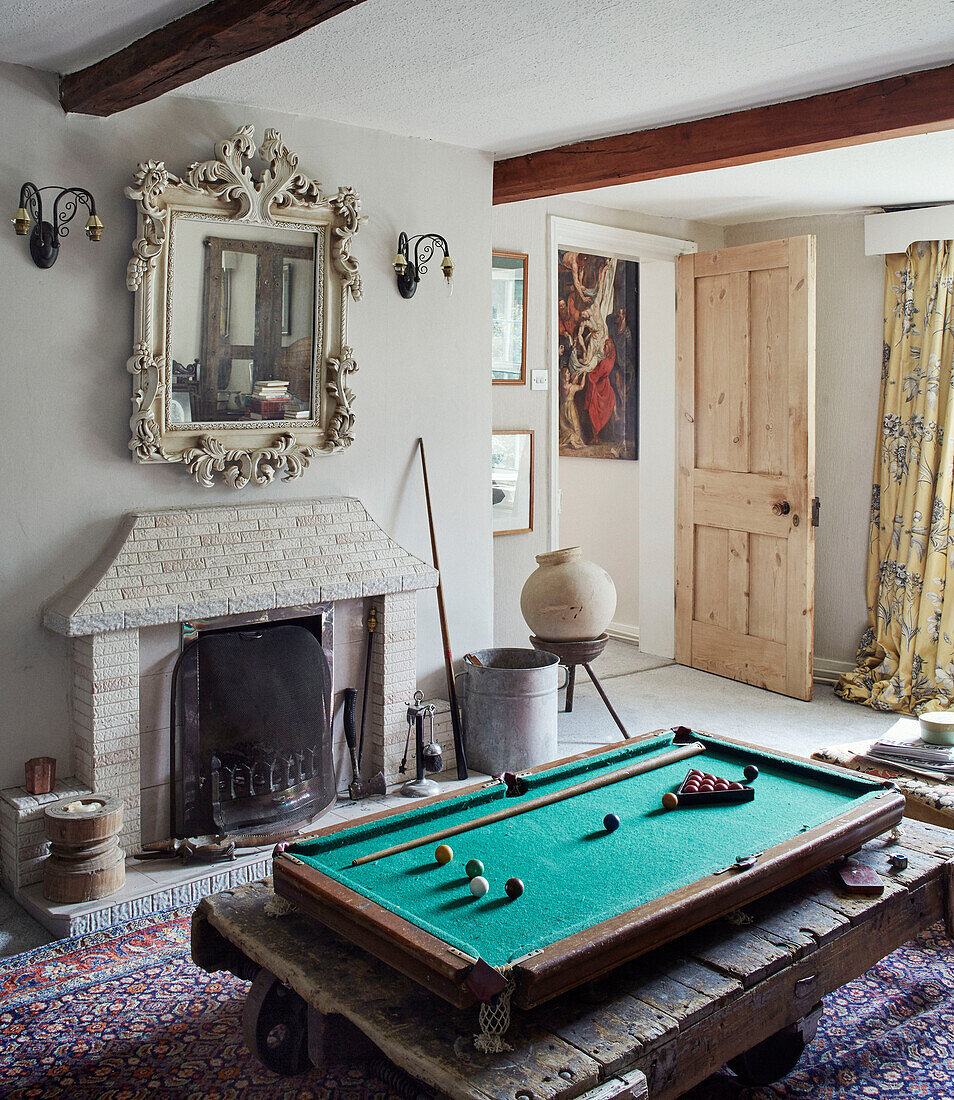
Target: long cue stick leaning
{"x": 459, "y": 752}
{"x": 651, "y": 765}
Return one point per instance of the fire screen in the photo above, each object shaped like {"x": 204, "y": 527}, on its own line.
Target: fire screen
{"x": 251, "y": 729}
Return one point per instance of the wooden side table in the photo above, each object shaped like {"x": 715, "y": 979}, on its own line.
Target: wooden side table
{"x": 582, "y": 653}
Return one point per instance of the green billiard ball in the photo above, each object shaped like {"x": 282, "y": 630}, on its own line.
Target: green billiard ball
{"x": 474, "y": 868}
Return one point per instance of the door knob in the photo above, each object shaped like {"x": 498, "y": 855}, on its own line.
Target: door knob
{"x": 781, "y": 508}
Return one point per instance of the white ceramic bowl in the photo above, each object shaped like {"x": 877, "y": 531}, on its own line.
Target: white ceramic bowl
{"x": 937, "y": 728}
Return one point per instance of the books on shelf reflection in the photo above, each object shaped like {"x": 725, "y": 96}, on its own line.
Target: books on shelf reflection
{"x": 271, "y": 400}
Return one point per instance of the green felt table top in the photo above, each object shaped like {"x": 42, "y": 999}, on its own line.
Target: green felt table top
{"x": 575, "y": 873}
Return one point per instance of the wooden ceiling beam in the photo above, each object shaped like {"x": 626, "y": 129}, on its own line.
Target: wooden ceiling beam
{"x": 911, "y": 104}
{"x": 199, "y": 43}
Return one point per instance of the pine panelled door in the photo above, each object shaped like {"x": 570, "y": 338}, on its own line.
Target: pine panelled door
{"x": 746, "y": 444}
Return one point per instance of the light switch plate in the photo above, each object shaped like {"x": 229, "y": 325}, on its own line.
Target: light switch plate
{"x": 539, "y": 379}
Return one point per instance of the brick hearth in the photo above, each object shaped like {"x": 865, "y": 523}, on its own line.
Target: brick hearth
{"x": 180, "y": 564}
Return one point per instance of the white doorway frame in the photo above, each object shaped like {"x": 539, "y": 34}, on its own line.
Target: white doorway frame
{"x": 656, "y": 581}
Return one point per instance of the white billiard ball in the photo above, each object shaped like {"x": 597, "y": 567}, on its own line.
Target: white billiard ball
{"x": 479, "y": 886}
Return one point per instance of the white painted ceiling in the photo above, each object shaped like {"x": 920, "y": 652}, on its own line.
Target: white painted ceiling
{"x": 515, "y": 75}
{"x": 900, "y": 172}
{"x": 512, "y": 76}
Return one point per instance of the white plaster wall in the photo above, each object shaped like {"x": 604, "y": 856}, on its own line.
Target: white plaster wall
{"x": 850, "y": 290}
{"x": 600, "y": 497}
{"x": 600, "y": 514}
{"x": 66, "y": 471}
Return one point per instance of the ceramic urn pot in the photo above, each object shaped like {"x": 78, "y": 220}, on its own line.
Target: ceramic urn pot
{"x": 566, "y": 598}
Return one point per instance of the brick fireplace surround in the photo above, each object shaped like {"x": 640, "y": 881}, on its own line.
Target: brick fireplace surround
{"x": 181, "y": 564}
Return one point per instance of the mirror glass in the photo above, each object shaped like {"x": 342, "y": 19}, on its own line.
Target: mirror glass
{"x": 243, "y": 318}
{"x": 509, "y": 273}
{"x": 512, "y": 482}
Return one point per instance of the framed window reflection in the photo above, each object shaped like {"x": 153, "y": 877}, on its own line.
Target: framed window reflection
{"x": 512, "y": 481}
{"x": 508, "y": 297}
{"x": 257, "y": 333}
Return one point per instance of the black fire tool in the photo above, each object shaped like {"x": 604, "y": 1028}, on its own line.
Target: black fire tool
{"x": 358, "y": 788}
{"x": 372, "y": 625}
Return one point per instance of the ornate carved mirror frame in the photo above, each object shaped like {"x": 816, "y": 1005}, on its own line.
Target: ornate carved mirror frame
{"x": 224, "y": 190}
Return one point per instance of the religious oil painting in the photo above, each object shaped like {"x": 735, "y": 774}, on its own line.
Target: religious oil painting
{"x": 598, "y": 319}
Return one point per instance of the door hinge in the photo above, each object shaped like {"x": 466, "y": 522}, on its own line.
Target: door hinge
{"x": 816, "y": 509}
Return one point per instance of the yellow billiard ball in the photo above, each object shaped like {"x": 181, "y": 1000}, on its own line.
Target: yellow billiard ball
{"x": 444, "y": 854}
{"x": 670, "y": 801}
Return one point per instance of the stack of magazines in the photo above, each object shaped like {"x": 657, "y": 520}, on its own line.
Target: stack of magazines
{"x": 914, "y": 753}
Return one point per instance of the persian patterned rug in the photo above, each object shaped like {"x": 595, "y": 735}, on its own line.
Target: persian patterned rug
{"x": 123, "y": 1014}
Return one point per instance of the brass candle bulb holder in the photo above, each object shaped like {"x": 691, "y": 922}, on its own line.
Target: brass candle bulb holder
{"x": 45, "y": 235}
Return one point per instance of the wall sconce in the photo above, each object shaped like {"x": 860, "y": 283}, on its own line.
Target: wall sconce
{"x": 45, "y": 238}
{"x": 409, "y": 271}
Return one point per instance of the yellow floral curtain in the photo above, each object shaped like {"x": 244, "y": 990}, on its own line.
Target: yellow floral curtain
{"x": 906, "y": 656}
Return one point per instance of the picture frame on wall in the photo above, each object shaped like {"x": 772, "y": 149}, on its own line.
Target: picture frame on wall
{"x": 508, "y": 297}
{"x": 597, "y": 351}
{"x": 512, "y": 481}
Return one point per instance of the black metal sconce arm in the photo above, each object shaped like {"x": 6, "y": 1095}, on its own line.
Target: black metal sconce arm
{"x": 424, "y": 245}
{"x": 45, "y": 236}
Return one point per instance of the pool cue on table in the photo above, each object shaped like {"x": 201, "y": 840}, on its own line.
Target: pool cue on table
{"x": 459, "y": 752}
{"x": 640, "y": 768}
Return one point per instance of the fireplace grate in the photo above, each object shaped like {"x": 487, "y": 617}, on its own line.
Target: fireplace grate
{"x": 251, "y": 730}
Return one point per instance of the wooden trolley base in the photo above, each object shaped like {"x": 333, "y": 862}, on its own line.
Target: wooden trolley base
{"x": 745, "y": 993}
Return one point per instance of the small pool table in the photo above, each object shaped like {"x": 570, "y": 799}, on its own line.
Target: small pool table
{"x": 593, "y": 898}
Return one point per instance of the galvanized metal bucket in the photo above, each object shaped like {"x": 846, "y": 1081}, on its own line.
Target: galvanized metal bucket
{"x": 509, "y": 708}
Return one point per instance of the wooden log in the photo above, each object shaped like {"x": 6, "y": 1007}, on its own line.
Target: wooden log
{"x": 914, "y": 103}
{"x": 201, "y": 42}
{"x": 85, "y": 861}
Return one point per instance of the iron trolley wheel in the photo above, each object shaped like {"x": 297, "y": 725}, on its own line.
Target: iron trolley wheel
{"x": 776, "y": 1056}
{"x": 275, "y": 1025}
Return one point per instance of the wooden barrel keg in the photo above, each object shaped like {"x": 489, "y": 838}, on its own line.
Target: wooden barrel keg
{"x": 85, "y": 861}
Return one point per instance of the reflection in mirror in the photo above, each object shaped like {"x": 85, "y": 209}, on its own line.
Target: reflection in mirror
{"x": 508, "y": 294}
{"x": 245, "y": 310}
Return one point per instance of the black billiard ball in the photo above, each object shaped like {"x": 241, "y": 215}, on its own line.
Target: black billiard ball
{"x": 751, "y": 772}
{"x": 611, "y": 823}
{"x": 513, "y": 888}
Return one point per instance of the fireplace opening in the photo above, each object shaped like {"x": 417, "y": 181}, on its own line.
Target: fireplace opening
{"x": 251, "y": 724}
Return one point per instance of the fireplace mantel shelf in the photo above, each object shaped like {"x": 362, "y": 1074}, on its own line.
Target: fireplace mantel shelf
{"x": 176, "y": 564}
